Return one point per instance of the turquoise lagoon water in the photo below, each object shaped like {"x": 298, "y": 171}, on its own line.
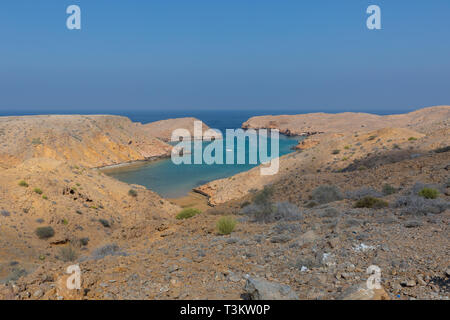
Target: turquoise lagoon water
{"x": 172, "y": 181}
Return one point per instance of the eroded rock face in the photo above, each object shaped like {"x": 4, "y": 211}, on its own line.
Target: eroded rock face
{"x": 91, "y": 141}
{"x": 258, "y": 289}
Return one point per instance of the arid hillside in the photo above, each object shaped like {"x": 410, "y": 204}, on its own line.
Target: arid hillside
{"x": 92, "y": 141}
{"x": 344, "y": 201}
{"x": 314, "y": 123}
{"x": 82, "y": 206}
{"x": 332, "y": 152}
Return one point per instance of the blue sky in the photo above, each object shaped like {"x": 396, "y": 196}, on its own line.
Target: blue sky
{"x": 216, "y": 54}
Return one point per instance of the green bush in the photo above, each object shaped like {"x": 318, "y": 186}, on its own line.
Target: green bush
{"x": 388, "y": 189}
{"x": 45, "y": 232}
{"x": 23, "y": 183}
{"x": 44, "y": 197}
{"x": 187, "y": 213}
{"x": 226, "y": 225}
{"x": 372, "y": 138}
{"x": 429, "y": 193}
{"x": 132, "y": 193}
{"x": 412, "y": 139}
{"x": 36, "y": 141}
{"x": 37, "y": 190}
{"x": 264, "y": 196}
{"x": 371, "y": 202}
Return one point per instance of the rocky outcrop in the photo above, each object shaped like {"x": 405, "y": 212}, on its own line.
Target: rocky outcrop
{"x": 306, "y": 144}
{"x": 92, "y": 141}
{"x": 163, "y": 129}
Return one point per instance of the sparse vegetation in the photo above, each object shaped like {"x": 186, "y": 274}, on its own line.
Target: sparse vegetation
{"x": 132, "y": 193}
{"x": 38, "y": 190}
{"x": 15, "y": 274}
{"x": 104, "y": 223}
{"x": 45, "y": 232}
{"x": 67, "y": 254}
{"x": 371, "y": 202}
{"x": 442, "y": 150}
{"x": 23, "y": 183}
{"x": 362, "y": 193}
{"x": 271, "y": 212}
{"x": 36, "y": 141}
{"x": 44, "y": 197}
{"x": 412, "y": 139}
{"x": 388, "y": 189}
{"x": 107, "y": 250}
{"x": 187, "y": 213}
{"x": 245, "y": 203}
{"x": 262, "y": 203}
{"x": 420, "y": 206}
{"x": 326, "y": 193}
{"x": 336, "y": 151}
{"x": 226, "y": 225}
{"x": 372, "y": 138}
{"x": 264, "y": 197}
{"x": 429, "y": 193}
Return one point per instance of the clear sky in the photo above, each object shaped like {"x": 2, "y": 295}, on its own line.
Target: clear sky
{"x": 237, "y": 54}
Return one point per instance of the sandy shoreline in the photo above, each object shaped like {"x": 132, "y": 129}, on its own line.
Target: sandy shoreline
{"x": 130, "y": 164}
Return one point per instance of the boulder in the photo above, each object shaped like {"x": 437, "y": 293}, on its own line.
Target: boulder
{"x": 258, "y": 289}
{"x": 361, "y": 292}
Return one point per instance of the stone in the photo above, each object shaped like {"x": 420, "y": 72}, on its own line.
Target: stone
{"x": 362, "y": 292}
{"x": 412, "y": 224}
{"x": 258, "y": 289}
{"x": 282, "y": 238}
{"x": 408, "y": 283}
{"x": 38, "y": 294}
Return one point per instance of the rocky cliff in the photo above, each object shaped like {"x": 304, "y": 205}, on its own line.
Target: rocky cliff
{"x": 92, "y": 141}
